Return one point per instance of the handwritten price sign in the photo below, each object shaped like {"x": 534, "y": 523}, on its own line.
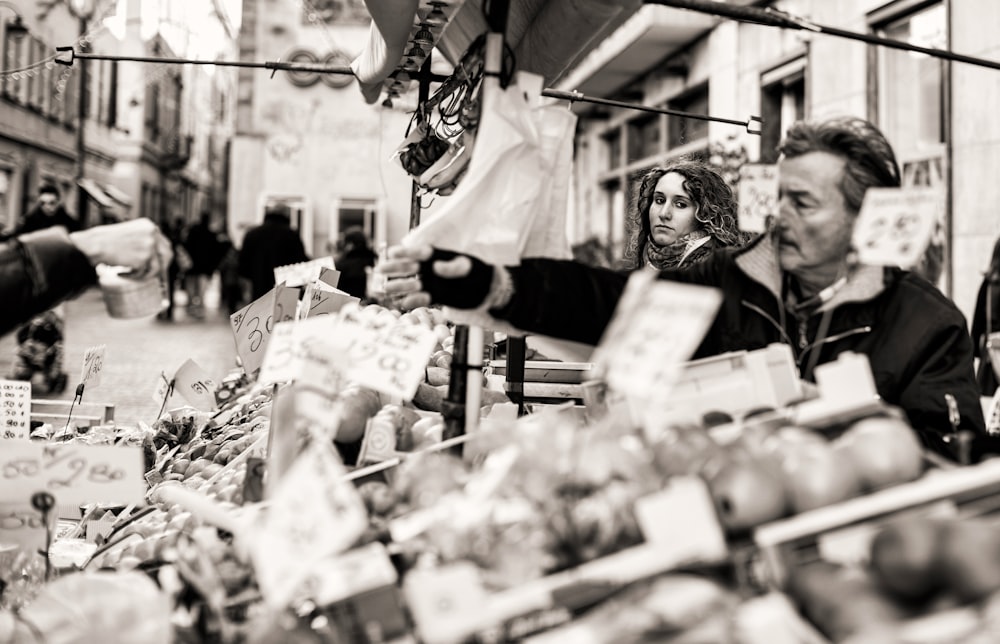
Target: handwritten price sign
{"x": 305, "y": 351}
{"x": 302, "y": 273}
{"x": 196, "y": 386}
{"x": 656, "y": 328}
{"x": 15, "y": 409}
{"x": 895, "y": 225}
{"x": 323, "y": 302}
{"x": 21, "y": 525}
{"x": 758, "y": 195}
{"x": 74, "y": 474}
{"x": 389, "y": 358}
{"x": 93, "y": 365}
{"x": 253, "y": 324}
{"x": 329, "y": 276}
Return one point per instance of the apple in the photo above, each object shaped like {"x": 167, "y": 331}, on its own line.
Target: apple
{"x": 816, "y": 474}
{"x": 747, "y": 493}
{"x": 904, "y": 557}
{"x": 884, "y": 450}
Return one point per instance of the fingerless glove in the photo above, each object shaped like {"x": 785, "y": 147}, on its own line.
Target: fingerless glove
{"x": 467, "y": 292}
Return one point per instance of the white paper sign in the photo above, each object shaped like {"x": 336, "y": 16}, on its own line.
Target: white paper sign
{"x": 323, "y": 302}
{"x": 74, "y": 474}
{"x": 699, "y": 537}
{"x": 286, "y": 301}
{"x": 93, "y": 365}
{"x": 313, "y": 514}
{"x": 15, "y": 409}
{"x": 302, "y": 273}
{"x": 329, "y": 276}
{"x": 656, "y": 328}
{"x": 355, "y": 572}
{"x": 252, "y": 326}
{"x": 21, "y": 525}
{"x": 895, "y": 225}
{"x": 389, "y": 359}
{"x": 758, "y": 195}
{"x": 195, "y": 386}
{"x": 305, "y": 351}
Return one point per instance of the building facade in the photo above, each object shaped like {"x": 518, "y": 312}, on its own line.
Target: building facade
{"x": 937, "y": 114}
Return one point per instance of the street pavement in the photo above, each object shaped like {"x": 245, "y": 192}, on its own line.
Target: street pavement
{"x": 137, "y": 351}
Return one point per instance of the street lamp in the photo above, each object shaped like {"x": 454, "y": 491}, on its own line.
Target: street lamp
{"x": 15, "y": 28}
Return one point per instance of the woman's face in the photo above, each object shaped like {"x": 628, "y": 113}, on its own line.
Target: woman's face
{"x": 672, "y": 211}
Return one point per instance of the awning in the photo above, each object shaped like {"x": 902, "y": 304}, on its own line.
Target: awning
{"x": 95, "y": 192}
{"x": 547, "y": 36}
{"x": 118, "y": 195}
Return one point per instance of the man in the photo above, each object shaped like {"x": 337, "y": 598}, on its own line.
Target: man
{"x": 273, "y": 243}
{"x": 796, "y": 285}
{"x": 40, "y": 341}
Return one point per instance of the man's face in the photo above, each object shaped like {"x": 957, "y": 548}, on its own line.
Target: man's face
{"x": 48, "y": 203}
{"x": 815, "y": 226}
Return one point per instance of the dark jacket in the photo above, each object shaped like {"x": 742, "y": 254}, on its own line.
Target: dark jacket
{"x": 352, "y": 265}
{"x": 38, "y": 220}
{"x": 986, "y": 320}
{"x": 267, "y": 246}
{"x": 914, "y": 337}
{"x": 204, "y": 248}
{"x": 37, "y": 271}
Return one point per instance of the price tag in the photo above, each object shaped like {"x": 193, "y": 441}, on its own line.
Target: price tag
{"x": 656, "y": 328}
{"x": 353, "y": 573}
{"x": 22, "y": 525}
{"x": 93, "y": 364}
{"x": 195, "y": 386}
{"x": 758, "y": 195}
{"x": 329, "y": 276}
{"x": 389, "y": 358}
{"x": 699, "y": 537}
{"x": 252, "y": 326}
{"x": 304, "y": 351}
{"x": 286, "y": 301}
{"x": 378, "y": 443}
{"x": 302, "y": 273}
{"x": 895, "y": 225}
{"x": 444, "y": 600}
{"x": 314, "y": 514}
{"x": 15, "y": 409}
{"x": 323, "y": 302}
{"x": 74, "y": 474}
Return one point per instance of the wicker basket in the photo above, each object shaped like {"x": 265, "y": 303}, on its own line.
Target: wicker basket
{"x": 127, "y": 297}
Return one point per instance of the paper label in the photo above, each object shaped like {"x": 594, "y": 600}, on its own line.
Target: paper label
{"x": 378, "y": 443}
{"x": 330, "y": 276}
{"x": 93, "y": 365}
{"x": 302, "y": 273}
{"x": 895, "y": 225}
{"x": 390, "y": 358}
{"x": 195, "y": 386}
{"x": 327, "y": 302}
{"x": 444, "y": 600}
{"x": 655, "y": 329}
{"x": 305, "y": 351}
{"x": 353, "y": 573}
{"x": 252, "y": 326}
{"x": 314, "y": 514}
{"x": 758, "y": 195}
{"x": 22, "y": 525}
{"x": 286, "y": 301}
{"x": 699, "y": 536}
{"x": 15, "y": 409}
{"x": 74, "y": 474}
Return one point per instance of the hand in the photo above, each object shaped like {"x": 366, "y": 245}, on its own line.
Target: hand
{"x": 136, "y": 244}
{"x": 422, "y": 275}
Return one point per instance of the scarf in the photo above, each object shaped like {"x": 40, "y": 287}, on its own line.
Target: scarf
{"x": 671, "y": 256}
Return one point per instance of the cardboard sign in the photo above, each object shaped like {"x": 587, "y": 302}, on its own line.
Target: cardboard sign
{"x": 895, "y": 225}
{"x": 305, "y": 351}
{"x": 21, "y": 525}
{"x": 252, "y": 326}
{"x": 74, "y": 474}
{"x": 195, "y": 386}
{"x": 655, "y": 329}
{"x": 329, "y": 276}
{"x": 93, "y": 365}
{"x": 302, "y": 273}
{"x": 314, "y": 514}
{"x": 323, "y": 302}
{"x": 758, "y": 196}
{"x": 15, "y": 409}
{"x": 286, "y": 301}
{"x": 390, "y": 358}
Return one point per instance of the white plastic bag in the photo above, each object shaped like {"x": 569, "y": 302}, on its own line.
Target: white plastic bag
{"x": 512, "y": 201}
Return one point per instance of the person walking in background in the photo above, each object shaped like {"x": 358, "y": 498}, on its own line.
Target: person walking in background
{"x": 40, "y": 342}
{"x": 271, "y": 244}
{"x": 232, "y": 295}
{"x": 202, "y": 244}
{"x": 984, "y": 322}
{"x": 179, "y": 263}
{"x": 354, "y": 257}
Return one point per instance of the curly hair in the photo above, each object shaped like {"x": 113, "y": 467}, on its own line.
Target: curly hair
{"x": 714, "y": 199}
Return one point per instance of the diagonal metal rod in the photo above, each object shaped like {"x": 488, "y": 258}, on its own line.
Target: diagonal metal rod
{"x": 774, "y": 18}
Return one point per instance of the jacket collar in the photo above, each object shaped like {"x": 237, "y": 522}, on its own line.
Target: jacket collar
{"x": 759, "y": 262}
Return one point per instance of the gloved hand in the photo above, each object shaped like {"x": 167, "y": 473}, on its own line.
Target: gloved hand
{"x": 422, "y": 275}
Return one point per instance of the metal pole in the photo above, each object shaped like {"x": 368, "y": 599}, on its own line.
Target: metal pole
{"x": 81, "y": 126}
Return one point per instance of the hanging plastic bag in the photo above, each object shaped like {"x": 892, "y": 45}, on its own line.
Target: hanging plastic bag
{"x": 512, "y": 200}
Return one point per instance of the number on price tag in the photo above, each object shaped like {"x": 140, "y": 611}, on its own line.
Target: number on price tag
{"x": 93, "y": 364}
{"x": 22, "y": 525}
{"x": 15, "y": 409}
{"x": 74, "y": 474}
{"x": 895, "y": 225}
{"x": 758, "y": 194}
{"x": 302, "y": 273}
{"x": 656, "y": 328}
{"x": 195, "y": 386}
{"x": 389, "y": 358}
{"x": 252, "y": 326}
{"x": 314, "y": 513}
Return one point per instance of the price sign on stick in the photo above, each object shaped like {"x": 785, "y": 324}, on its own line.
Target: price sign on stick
{"x": 327, "y": 302}
{"x": 302, "y": 273}
{"x": 15, "y": 409}
{"x": 252, "y": 326}
{"x": 93, "y": 365}
{"x": 305, "y": 351}
{"x": 286, "y": 300}
{"x": 329, "y": 276}
{"x": 73, "y": 474}
{"x": 195, "y": 386}
{"x": 895, "y": 225}
{"x": 758, "y": 194}
{"x": 655, "y": 329}
{"x": 389, "y": 358}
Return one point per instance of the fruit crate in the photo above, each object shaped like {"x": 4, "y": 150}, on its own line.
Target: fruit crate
{"x": 548, "y": 379}
{"x": 85, "y": 414}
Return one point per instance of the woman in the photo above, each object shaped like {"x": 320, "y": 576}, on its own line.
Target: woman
{"x": 684, "y": 211}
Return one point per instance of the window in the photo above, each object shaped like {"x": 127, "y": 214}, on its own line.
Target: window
{"x": 644, "y": 137}
{"x": 613, "y": 146}
{"x": 681, "y": 130}
{"x": 782, "y": 101}
{"x": 357, "y": 213}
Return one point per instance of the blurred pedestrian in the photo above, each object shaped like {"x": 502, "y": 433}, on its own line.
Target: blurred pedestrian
{"x": 179, "y": 263}
{"x": 265, "y": 247}
{"x": 354, "y": 257}
{"x": 202, "y": 244}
